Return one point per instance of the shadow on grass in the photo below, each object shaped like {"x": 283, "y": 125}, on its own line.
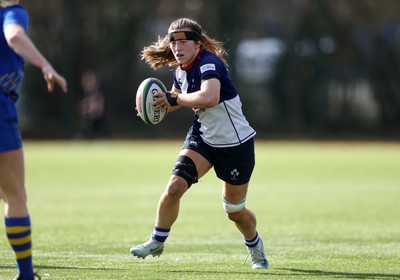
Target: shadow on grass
{"x": 207, "y": 272}
{"x": 292, "y": 272}
{"x": 40, "y": 267}
{"x": 346, "y": 275}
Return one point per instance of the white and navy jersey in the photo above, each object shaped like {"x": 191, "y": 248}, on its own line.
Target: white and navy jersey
{"x": 223, "y": 125}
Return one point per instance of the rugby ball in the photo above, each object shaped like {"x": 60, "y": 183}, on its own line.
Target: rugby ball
{"x": 145, "y": 99}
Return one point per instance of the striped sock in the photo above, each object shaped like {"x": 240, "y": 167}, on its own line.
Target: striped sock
{"x": 252, "y": 242}
{"x": 18, "y": 232}
{"x": 160, "y": 234}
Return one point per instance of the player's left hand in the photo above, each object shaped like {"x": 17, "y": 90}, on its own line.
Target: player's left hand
{"x": 164, "y": 100}
{"x": 51, "y": 76}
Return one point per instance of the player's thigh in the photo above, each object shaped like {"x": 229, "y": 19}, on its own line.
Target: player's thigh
{"x": 202, "y": 164}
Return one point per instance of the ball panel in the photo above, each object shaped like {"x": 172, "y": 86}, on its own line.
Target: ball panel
{"x": 141, "y": 99}
{"x": 145, "y": 99}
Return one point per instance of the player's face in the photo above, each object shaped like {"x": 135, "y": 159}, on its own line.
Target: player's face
{"x": 184, "y": 51}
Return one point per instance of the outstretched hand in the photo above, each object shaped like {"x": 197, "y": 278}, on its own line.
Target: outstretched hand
{"x": 51, "y": 76}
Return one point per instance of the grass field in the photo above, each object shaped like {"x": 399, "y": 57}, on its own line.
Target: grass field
{"x": 325, "y": 211}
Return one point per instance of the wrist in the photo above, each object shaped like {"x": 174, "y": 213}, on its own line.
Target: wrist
{"x": 173, "y": 101}
{"x": 46, "y": 68}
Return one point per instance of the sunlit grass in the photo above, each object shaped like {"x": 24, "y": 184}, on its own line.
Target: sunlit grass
{"x": 325, "y": 210}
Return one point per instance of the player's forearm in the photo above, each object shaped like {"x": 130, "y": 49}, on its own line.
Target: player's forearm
{"x": 24, "y": 47}
{"x": 198, "y": 99}
{"x": 206, "y": 97}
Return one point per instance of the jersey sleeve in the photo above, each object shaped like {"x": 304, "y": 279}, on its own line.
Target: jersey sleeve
{"x": 16, "y": 15}
{"x": 211, "y": 67}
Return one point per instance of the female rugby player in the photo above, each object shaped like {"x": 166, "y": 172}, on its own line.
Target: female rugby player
{"x": 220, "y": 137}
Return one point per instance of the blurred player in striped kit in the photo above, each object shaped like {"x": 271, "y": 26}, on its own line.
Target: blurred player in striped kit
{"x": 15, "y": 48}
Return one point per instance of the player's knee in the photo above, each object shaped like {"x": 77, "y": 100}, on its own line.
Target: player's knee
{"x": 176, "y": 188}
{"x": 234, "y": 210}
{"x": 186, "y": 169}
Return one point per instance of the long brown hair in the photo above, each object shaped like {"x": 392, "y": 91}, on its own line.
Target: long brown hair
{"x": 6, "y": 3}
{"x": 159, "y": 54}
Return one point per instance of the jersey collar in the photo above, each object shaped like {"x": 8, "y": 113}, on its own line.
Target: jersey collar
{"x": 190, "y": 65}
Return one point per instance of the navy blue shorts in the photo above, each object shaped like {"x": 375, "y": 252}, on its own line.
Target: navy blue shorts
{"x": 10, "y": 136}
{"x": 233, "y": 165}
